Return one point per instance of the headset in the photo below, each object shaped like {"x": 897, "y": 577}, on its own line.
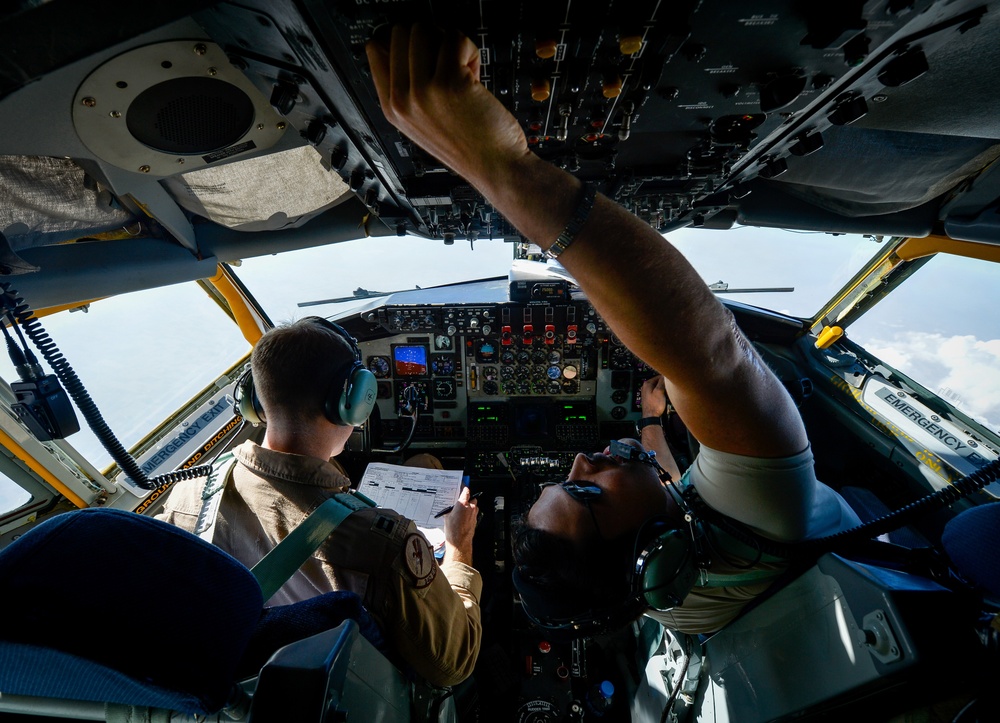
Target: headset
{"x": 666, "y": 563}
{"x": 665, "y": 569}
{"x": 667, "y": 560}
{"x": 348, "y": 402}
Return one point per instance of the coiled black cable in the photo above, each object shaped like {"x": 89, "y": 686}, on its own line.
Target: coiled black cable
{"x": 62, "y": 369}
{"x": 977, "y": 480}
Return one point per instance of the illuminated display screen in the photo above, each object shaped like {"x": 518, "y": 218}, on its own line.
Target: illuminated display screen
{"x": 410, "y": 361}
{"x": 575, "y": 413}
{"x": 487, "y": 414}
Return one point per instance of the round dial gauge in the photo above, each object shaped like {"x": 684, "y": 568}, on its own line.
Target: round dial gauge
{"x": 379, "y": 366}
{"x": 443, "y": 365}
{"x": 620, "y": 358}
{"x": 441, "y": 341}
{"x": 444, "y": 388}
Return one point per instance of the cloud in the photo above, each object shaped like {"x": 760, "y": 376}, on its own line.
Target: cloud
{"x": 963, "y": 369}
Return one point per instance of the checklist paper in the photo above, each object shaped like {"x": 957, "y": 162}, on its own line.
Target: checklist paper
{"x": 415, "y": 492}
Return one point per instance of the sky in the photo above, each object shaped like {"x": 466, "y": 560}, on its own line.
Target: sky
{"x": 140, "y": 363}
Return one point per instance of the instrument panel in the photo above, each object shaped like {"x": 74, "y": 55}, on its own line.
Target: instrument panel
{"x": 495, "y": 376}
{"x": 511, "y": 392}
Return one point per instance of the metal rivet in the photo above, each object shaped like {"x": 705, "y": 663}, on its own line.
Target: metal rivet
{"x": 115, "y": 114}
{"x": 880, "y": 98}
{"x": 200, "y": 49}
{"x": 89, "y": 102}
{"x": 144, "y": 169}
{"x": 213, "y": 71}
{"x": 260, "y": 126}
{"x": 281, "y": 125}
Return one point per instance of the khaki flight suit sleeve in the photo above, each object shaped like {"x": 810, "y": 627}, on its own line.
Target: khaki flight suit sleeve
{"x": 183, "y": 505}
{"x": 438, "y": 626}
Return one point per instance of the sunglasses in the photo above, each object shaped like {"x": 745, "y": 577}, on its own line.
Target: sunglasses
{"x": 586, "y": 493}
{"x": 582, "y": 493}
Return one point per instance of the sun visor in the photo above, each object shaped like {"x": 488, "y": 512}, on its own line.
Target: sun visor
{"x": 865, "y": 172}
{"x": 45, "y": 201}
{"x": 264, "y": 193}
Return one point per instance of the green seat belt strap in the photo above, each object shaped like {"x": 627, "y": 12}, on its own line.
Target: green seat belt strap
{"x": 287, "y": 556}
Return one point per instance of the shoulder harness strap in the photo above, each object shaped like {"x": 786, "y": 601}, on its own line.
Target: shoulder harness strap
{"x": 211, "y": 496}
{"x": 729, "y": 544}
{"x": 287, "y": 556}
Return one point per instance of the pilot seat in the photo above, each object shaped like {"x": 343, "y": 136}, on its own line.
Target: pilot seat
{"x": 109, "y": 615}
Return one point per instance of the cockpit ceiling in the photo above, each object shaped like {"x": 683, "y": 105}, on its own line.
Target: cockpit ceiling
{"x": 177, "y": 127}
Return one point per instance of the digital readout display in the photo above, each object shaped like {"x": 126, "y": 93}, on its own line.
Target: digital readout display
{"x": 410, "y": 361}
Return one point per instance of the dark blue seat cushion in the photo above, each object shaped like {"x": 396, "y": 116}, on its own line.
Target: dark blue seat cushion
{"x": 971, "y": 540}
{"x": 158, "y": 616}
{"x": 285, "y": 624}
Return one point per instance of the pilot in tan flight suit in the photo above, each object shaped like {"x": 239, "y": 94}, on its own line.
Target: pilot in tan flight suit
{"x": 428, "y": 613}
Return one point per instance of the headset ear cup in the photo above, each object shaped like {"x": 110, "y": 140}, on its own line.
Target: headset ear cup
{"x": 247, "y": 403}
{"x": 351, "y": 404}
{"x": 667, "y": 569}
{"x": 356, "y": 408}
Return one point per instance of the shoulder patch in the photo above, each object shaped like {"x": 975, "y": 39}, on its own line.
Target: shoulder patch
{"x": 419, "y": 560}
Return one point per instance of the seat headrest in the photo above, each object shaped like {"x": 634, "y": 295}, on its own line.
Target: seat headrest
{"x": 971, "y": 540}
{"x": 93, "y": 591}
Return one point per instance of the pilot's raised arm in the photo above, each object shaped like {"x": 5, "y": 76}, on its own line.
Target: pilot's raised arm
{"x": 576, "y": 567}
{"x": 428, "y": 84}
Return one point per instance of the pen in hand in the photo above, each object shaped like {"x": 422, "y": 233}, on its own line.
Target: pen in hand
{"x": 449, "y": 508}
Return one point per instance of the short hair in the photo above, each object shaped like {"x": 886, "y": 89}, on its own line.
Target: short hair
{"x": 294, "y": 366}
{"x": 575, "y": 578}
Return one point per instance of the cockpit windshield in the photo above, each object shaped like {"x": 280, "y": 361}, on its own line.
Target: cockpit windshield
{"x": 939, "y": 329}
{"x": 362, "y": 268}
{"x": 141, "y": 356}
{"x": 792, "y": 272}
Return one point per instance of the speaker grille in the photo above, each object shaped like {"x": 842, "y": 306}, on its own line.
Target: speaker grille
{"x": 190, "y": 116}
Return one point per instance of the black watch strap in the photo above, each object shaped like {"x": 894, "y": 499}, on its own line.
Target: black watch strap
{"x": 646, "y": 422}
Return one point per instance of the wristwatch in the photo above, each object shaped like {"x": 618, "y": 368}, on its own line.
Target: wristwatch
{"x": 646, "y": 422}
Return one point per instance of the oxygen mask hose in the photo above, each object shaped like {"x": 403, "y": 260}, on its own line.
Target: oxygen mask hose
{"x": 62, "y": 369}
